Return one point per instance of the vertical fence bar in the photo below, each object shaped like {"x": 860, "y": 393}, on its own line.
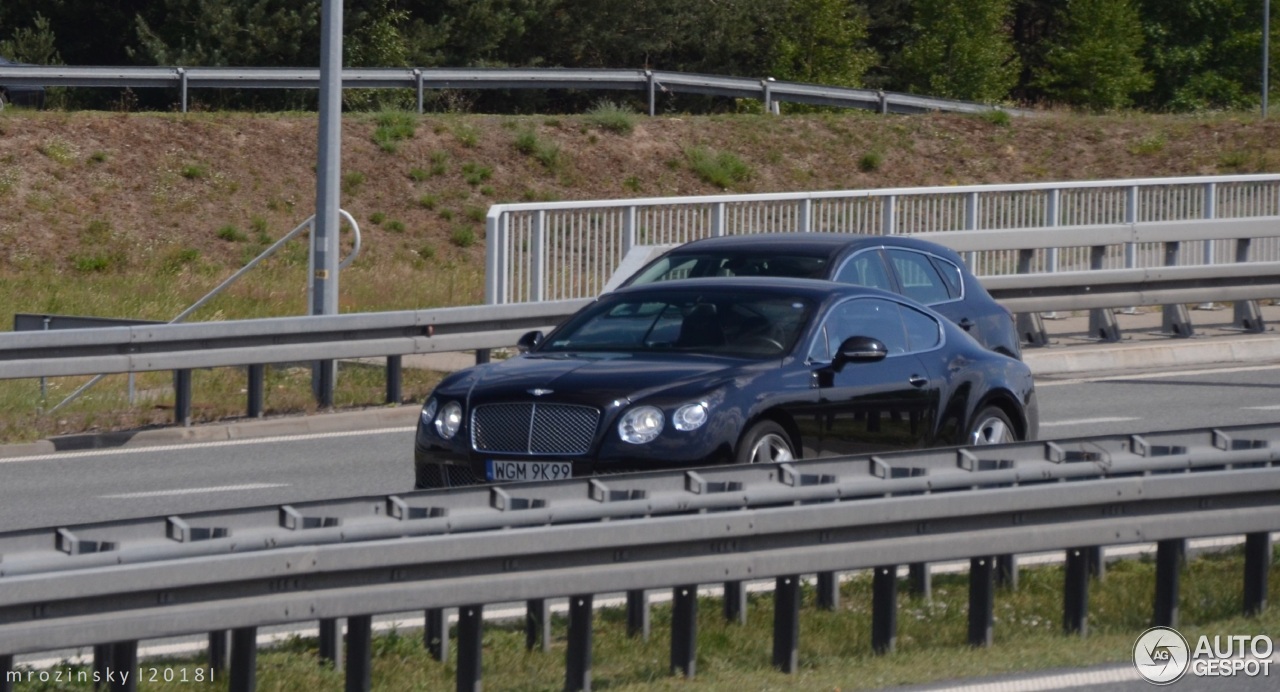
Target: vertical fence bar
{"x": 124, "y": 658}
{"x": 1075, "y": 592}
{"x": 470, "y": 632}
{"x": 435, "y": 636}
{"x": 828, "y": 590}
{"x": 1210, "y": 212}
{"x": 735, "y": 602}
{"x": 786, "y": 623}
{"x": 538, "y": 257}
{"x": 884, "y": 609}
{"x": 331, "y": 642}
{"x": 684, "y": 630}
{"x": 1169, "y": 558}
{"x": 578, "y": 653}
{"x": 244, "y": 659}
{"x": 537, "y": 624}
{"x": 1257, "y": 566}
{"x": 981, "y": 600}
{"x": 638, "y": 614}
{"x": 359, "y": 653}
{"x": 257, "y": 390}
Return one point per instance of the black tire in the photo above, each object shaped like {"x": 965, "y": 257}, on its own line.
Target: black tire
{"x": 765, "y": 442}
{"x": 991, "y": 427}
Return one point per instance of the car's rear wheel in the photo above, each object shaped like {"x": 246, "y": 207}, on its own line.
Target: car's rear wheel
{"x": 992, "y": 427}
{"x": 765, "y": 442}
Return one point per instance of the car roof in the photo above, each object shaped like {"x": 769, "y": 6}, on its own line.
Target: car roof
{"x": 817, "y": 289}
{"x": 816, "y": 244}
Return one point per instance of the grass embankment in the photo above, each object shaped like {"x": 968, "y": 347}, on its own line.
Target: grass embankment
{"x": 138, "y": 215}
{"x": 834, "y": 646}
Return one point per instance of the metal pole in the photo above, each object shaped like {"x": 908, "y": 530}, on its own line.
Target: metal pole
{"x": 324, "y": 237}
{"x": 1266, "y": 54}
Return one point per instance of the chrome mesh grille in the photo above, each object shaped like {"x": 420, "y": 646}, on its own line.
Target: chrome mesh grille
{"x": 533, "y": 428}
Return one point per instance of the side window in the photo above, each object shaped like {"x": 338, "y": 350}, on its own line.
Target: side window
{"x": 923, "y": 332}
{"x": 865, "y": 269}
{"x": 879, "y": 319}
{"x": 918, "y": 278}
{"x": 951, "y": 275}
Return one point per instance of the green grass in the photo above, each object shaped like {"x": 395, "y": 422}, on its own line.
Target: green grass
{"x": 870, "y": 162}
{"x": 476, "y": 173}
{"x": 612, "y": 117}
{"x": 231, "y": 234}
{"x": 545, "y": 153}
{"x": 834, "y": 646}
{"x": 722, "y": 169}
{"x": 194, "y": 171}
{"x": 463, "y": 236}
{"x": 392, "y": 128}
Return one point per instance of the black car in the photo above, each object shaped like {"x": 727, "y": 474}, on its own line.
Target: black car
{"x": 717, "y": 371}
{"x": 19, "y": 94}
{"x": 925, "y": 272}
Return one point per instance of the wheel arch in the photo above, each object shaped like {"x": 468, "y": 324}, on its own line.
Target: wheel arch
{"x": 1004, "y": 400}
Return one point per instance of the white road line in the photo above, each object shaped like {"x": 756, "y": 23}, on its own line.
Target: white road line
{"x": 1260, "y": 408}
{"x": 1154, "y": 375}
{"x": 58, "y": 456}
{"x": 195, "y": 491}
{"x": 1086, "y": 421}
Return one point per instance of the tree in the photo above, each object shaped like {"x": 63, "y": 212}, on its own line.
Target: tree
{"x": 1094, "y": 62}
{"x": 35, "y": 45}
{"x": 961, "y": 49}
{"x": 1203, "y": 53}
{"x": 821, "y": 42}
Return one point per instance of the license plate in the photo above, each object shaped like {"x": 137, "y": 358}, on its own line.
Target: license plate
{"x": 501, "y": 471}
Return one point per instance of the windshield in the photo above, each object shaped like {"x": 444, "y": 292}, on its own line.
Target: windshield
{"x": 700, "y": 265}
{"x": 748, "y": 326}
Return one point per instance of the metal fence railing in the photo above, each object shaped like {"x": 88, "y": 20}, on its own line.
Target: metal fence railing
{"x": 565, "y": 250}
{"x": 112, "y": 584}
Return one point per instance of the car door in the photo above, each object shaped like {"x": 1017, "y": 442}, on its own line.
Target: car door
{"x": 875, "y": 406}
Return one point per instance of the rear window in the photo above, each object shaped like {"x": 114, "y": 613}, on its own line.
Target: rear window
{"x": 696, "y": 266}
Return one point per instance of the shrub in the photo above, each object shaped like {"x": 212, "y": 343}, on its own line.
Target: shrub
{"x": 395, "y": 226}
{"x": 377, "y": 218}
{"x": 351, "y": 182}
{"x": 545, "y": 153}
{"x": 418, "y": 175}
{"x": 439, "y": 162}
{"x": 475, "y": 214}
{"x": 996, "y": 116}
{"x": 1152, "y": 143}
{"x": 870, "y": 161}
{"x": 475, "y": 173}
{"x": 393, "y": 127}
{"x": 463, "y": 236}
{"x": 231, "y": 234}
{"x": 467, "y": 136}
{"x": 193, "y": 171}
{"x": 427, "y": 252}
{"x": 722, "y": 169}
{"x": 428, "y": 201}
{"x": 611, "y": 116}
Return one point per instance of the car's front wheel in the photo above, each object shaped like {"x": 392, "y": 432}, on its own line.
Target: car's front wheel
{"x": 992, "y": 427}
{"x": 765, "y": 442}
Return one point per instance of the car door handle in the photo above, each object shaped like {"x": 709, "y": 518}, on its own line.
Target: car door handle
{"x": 965, "y": 323}
{"x": 918, "y": 381}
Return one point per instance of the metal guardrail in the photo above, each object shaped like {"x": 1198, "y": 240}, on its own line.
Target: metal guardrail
{"x": 767, "y": 90}
{"x": 241, "y": 569}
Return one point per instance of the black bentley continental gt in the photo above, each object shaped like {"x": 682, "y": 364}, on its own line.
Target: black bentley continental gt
{"x": 718, "y": 371}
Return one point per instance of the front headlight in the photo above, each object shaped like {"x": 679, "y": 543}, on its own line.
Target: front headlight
{"x": 690, "y": 416}
{"x": 640, "y": 425}
{"x": 449, "y": 420}
{"x": 429, "y": 410}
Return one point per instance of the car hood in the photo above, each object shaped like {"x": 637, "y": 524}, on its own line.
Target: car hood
{"x": 600, "y": 379}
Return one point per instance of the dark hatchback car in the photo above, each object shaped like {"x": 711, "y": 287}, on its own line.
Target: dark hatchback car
{"x": 717, "y": 371}
{"x": 19, "y": 94}
{"x": 925, "y": 272}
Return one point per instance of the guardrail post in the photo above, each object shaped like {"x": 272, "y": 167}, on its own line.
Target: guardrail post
{"x": 884, "y": 609}
{"x": 1029, "y": 324}
{"x": 1097, "y": 562}
{"x": 1247, "y": 316}
{"x": 124, "y": 658}
{"x": 889, "y": 215}
{"x": 182, "y": 87}
{"x": 359, "y": 653}
{"x": 244, "y": 659}
{"x": 919, "y": 581}
{"x": 257, "y": 388}
{"x": 6, "y": 665}
{"x": 395, "y": 379}
{"x": 638, "y": 614}
{"x": 1176, "y": 320}
{"x": 435, "y": 637}
{"x": 1075, "y": 592}
{"x": 648, "y": 76}
{"x": 219, "y": 650}
{"x": 1257, "y": 565}
{"x": 884, "y": 102}
{"x": 470, "y": 631}
{"x": 766, "y": 96}
{"x": 331, "y": 642}
{"x": 101, "y": 661}
{"x": 1102, "y": 322}
{"x": 684, "y": 630}
{"x": 981, "y": 600}
{"x": 182, "y": 397}
{"x": 828, "y": 591}
{"x": 1170, "y": 555}
{"x": 537, "y": 624}
{"x": 786, "y": 623}
{"x": 1007, "y": 571}
{"x": 417, "y": 77}
{"x": 578, "y": 654}
{"x": 806, "y": 216}
{"x": 735, "y": 602}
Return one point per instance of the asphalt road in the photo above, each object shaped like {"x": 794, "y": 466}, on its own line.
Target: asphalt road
{"x": 99, "y": 485}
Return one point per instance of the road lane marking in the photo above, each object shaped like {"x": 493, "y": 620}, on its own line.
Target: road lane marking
{"x": 1087, "y": 421}
{"x": 1260, "y": 408}
{"x": 59, "y": 456}
{"x": 1154, "y": 375}
{"x": 194, "y": 491}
